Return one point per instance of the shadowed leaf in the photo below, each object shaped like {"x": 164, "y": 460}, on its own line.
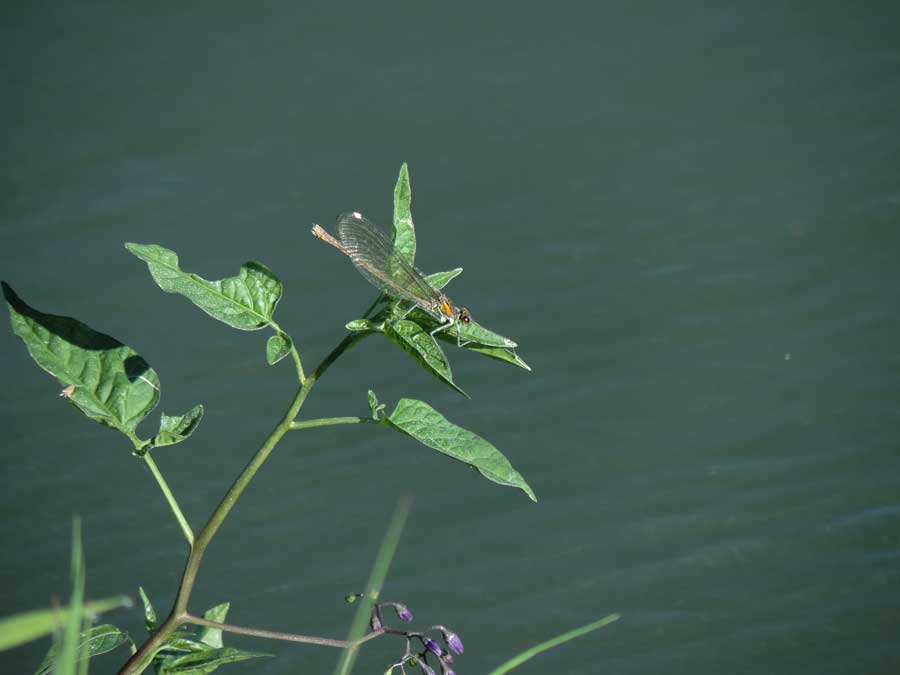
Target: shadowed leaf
{"x": 422, "y": 347}
{"x": 204, "y": 662}
{"x": 106, "y": 380}
{"x": 93, "y": 642}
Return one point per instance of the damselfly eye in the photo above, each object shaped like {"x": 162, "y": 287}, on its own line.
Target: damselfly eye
{"x": 464, "y": 316}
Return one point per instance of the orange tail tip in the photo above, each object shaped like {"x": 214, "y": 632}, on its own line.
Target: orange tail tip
{"x": 319, "y": 232}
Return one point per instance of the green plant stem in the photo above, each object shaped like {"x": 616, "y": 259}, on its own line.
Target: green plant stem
{"x": 331, "y": 421}
{"x": 289, "y": 637}
{"x": 144, "y": 656}
{"x": 173, "y": 503}
{"x": 295, "y": 355}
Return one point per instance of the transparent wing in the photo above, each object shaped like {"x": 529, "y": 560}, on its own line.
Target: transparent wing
{"x": 383, "y": 266}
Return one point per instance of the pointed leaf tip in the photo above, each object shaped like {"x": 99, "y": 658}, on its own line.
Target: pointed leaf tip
{"x": 404, "y": 230}
{"x": 430, "y": 428}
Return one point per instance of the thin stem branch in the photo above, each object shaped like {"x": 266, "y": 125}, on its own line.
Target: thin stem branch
{"x": 289, "y": 637}
{"x": 144, "y": 656}
{"x": 173, "y": 503}
{"x": 295, "y": 355}
{"x": 331, "y": 421}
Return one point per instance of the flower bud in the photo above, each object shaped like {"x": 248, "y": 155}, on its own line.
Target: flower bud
{"x": 454, "y": 643}
{"x": 433, "y": 647}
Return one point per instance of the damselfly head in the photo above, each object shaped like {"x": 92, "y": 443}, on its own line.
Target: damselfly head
{"x": 464, "y": 316}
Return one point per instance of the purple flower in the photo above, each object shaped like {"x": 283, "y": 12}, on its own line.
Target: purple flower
{"x": 454, "y": 643}
{"x": 403, "y": 612}
{"x": 433, "y": 647}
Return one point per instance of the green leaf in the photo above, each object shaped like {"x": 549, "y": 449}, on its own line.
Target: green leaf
{"x": 93, "y": 642}
{"x": 246, "y": 301}
{"x": 430, "y": 428}
{"x": 473, "y": 332}
{"x": 441, "y": 279}
{"x": 201, "y": 663}
{"x": 213, "y": 636}
{"x": 360, "y": 325}
{"x": 374, "y": 405}
{"x": 528, "y": 654}
{"x": 149, "y": 612}
{"x": 499, "y": 353}
{"x": 179, "y": 644}
{"x": 278, "y": 346}
{"x": 106, "y": 380}
{"x": 175, "y": 429}
{"x": 404, "y": 230}
{"x": 422, "y": 347}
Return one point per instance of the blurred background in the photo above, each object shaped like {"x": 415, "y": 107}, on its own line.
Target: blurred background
{"x": 686, "y": 215}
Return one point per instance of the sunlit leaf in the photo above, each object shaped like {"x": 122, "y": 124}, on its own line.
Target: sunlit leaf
{"x": 149, "y": 612}
{"x": 422, "y": 347}
{"x": 213, "y": 636}
{"x": 441, "y": 279}
{"x": 106, "y": 380}
{"x": 175, "y": 429}
{"x": 404, "y": 230}
{"x": 246, "y": 301}
{"x": 277, "y": 347}
{"x": 430, "y": 428}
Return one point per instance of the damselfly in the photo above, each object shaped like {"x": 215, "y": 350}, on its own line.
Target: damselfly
{"x": 378, "y": 260}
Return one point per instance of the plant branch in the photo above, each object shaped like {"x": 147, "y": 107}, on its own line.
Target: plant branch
{"x": 289, "y": 637}
{"x": 331, "y": 421}
{"x": 173, "y": 503}
{"x": 144, "y": 656}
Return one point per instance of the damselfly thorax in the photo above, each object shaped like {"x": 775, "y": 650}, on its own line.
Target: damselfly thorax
{"x": 373, "y": 253}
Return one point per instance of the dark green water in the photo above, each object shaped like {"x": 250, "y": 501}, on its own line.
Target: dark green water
{"x": 686, "y": 215}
